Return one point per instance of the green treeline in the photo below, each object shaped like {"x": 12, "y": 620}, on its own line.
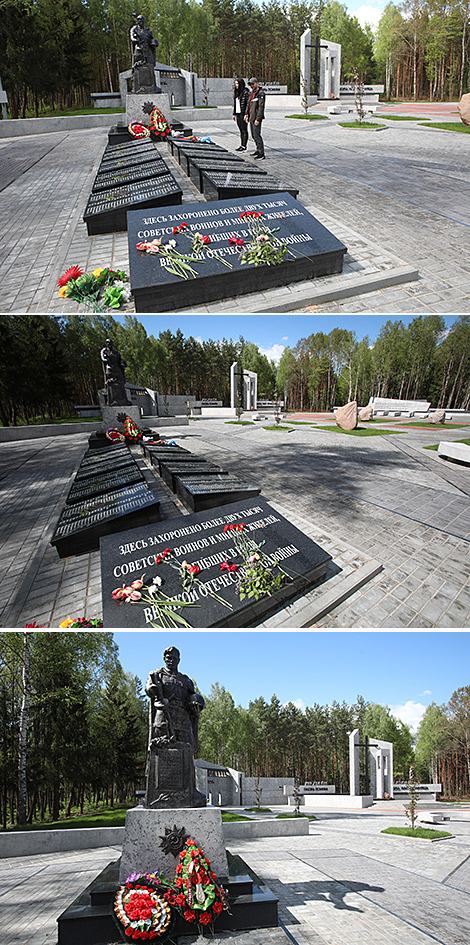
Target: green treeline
{"x": 74, "y": 730}
{"x": 53, "y": 53}
{"x": 73, "y": 725}
{"x": 423, "y": 361}
{"x": 49, "y": 365}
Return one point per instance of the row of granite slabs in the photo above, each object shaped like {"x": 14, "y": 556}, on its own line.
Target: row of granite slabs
{"x": 108, "y": 494}
{"x": 221, "y": 175}
{"x": 89, "y": 919}
{"x": 199, "y": 484}
{"x": 132, "y": 175}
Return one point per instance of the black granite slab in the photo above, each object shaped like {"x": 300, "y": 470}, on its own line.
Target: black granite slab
{"x": 81, "y": 525}
{"x": 218, "y": 185}
{"x": 198, "y": 493}
{"x": 150, "y": 449}
{"x": 169, "y": 470}
{"x": 197, "y": 165}
{"x": 189, "y": 156}
{"x": 88, "y": 470}
{"x": 176, "y": 145}
{"x": 136, "y": 172}
{"x": 159, "y": 458}
{"x": 313, "y": 251}
{"x": 104, "y": 482}
{"x": 100, "y": 457}
{"x": 200, "y": 539}
{"x": 133, "y": 144}
{"x": 99, "y": 441}
{"x": 106, "y": 212}
{"x": 117, "y": 163}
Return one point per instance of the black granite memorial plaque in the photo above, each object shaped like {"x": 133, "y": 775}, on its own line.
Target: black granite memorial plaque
{"x": 197, "y": 165}
{"x": 150, "y": 450}
{"x": 111, "y": 162}
{"x": 109, "y": 464}
{"x": 202, "y": 540}
{"x": 198, "y": 493}
{"x": 169, "y": 470}
{"x": 188, "y": 156}
{"x": 99, "y": 441}
{"x": 106, "y": 212}
{"x": 219, "y": 185}
{"x": 104, "y": 181}
{"x": 313, "y": 251}
{"x": 104, "y": 482}
{"x": 97, "y": 456}
{"x": 126, "y": 147}
{"x": 80, "y": 526}
{"x": 159, "y": 458}
{"x": 176, "y": 145}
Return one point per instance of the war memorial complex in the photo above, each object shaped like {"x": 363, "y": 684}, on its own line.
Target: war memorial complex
{"x": 177, "y": 871}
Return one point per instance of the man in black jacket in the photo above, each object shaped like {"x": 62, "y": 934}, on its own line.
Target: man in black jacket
{"x": 255, "y": 116}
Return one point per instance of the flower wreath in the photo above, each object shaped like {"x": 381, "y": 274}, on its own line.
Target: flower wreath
{"x": 114, "y": 435}
{"x": 140, "y": 912}
{"x": 138, "y": 130}
{"x": 131, "y": 430}
{"x": 198, "y": 891}
{"x": 159, "y": 124}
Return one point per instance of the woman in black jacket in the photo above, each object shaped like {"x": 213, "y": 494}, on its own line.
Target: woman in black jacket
{"x": 240, "y": 103}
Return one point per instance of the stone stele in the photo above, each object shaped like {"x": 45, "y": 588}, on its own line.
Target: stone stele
{"x": 438, "y": 416}
{"x": 464, "y": 108}
{"x": 346, "y": 417}
{"x": 366, "y": 413}
{"x": 145, "y": 828}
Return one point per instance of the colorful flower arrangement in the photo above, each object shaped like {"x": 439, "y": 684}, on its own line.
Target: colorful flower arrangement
{"x": 76, "y": 623}
{"x": 101, "y": 289}
{"x": 146, "y": 906}
{"x": 131, "y": 431}
{"x": 114, "y": 435}
{"x": 138, "y": 130}
{"x": 159, "y": 125}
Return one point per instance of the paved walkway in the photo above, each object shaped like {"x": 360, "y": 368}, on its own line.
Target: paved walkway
{"x": 398, "y": 198}
{"x": 371, "y": 503}
{"x": 344, "y": 884}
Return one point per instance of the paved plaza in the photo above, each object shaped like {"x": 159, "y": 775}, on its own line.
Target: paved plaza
{"x": 398, "y": 198}
{"x": 394, "y": 517}
{"x": 343, "y": 884}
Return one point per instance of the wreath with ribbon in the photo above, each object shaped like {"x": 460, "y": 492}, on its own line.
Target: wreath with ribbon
{"x": 114, "y": 435}
{"x": 140, "y": 912}
{"x": 131, "y": 430}
{"x": 147, "y": 904}
{"x": 138, "y": 130}
{"x": 159, "y": 124}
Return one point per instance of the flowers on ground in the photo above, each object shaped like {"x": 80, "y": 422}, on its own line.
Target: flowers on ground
{"x": 101, "y": 289}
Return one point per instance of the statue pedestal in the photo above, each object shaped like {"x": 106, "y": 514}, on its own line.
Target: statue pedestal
{"x": 135, "y": 101}
{"x": 170, "y": 778}
{"x": 142, "y": 852}
{"x": 110, "y": 416}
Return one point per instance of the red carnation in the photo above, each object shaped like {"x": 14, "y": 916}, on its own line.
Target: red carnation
{"x": 189, "y": 915}
{"x": 180, "y": 899}
{"x": 178, "y": 882}
{"x": 217, "y": 908}
{"x": 158, "y": 559}
{"x": 129, "y": 931}
{"x": 194, "y": 569}
{"x": 205, "y": 918}
{"x": 167, "y": 552}
{"x": 73, "y": 273}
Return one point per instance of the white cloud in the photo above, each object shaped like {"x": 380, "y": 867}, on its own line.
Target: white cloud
{"x": 368, "y": 14}
{"x": 199, "y": 339}
{"x": 410, "y": 713}
{"x": 299, "y": 703}
{"x": 426, "y": 692}
{"x": 286, "y": 337}
{"x": 274, "y": 353}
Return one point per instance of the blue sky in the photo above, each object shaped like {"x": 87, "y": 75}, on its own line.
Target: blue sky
{"x": 272, "y": 333}
{"x": 405, "y": 670}
{"x": 367, "y": 12}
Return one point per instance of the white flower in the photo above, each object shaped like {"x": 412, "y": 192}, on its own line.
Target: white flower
{"x": 171, "y": 244}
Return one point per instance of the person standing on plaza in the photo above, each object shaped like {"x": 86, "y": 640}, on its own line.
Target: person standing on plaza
{"x": 255, "y": 116}
{"x": 240, "y": 104}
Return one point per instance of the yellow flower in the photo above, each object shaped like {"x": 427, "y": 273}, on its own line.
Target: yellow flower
{"x": 65, "y": 623}
{"x": 63, "y": 292}
{"x": 97, "y": 272}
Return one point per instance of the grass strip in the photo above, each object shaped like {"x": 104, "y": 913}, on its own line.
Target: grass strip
{"x": 309, "y": 117}
{"x": 359, "y": 431}
{"x": 361, "y": 125}
{"x": 418, "y": 833}
{"x": 449, "y": 126}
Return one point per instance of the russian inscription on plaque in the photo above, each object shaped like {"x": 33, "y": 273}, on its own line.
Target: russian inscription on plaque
{"x": 310, "y": 251}
{"x": 106, "y": 212}
{"x": 209, "y": 595}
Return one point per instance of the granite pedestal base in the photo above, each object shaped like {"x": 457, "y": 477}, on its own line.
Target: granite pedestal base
{"x": 141, "y": 850}
{"x": 110, "y": 416}
{"x": 135, "y": 102}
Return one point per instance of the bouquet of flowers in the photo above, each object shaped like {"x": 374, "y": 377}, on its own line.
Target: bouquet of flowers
{"x": 101, "y": 289}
